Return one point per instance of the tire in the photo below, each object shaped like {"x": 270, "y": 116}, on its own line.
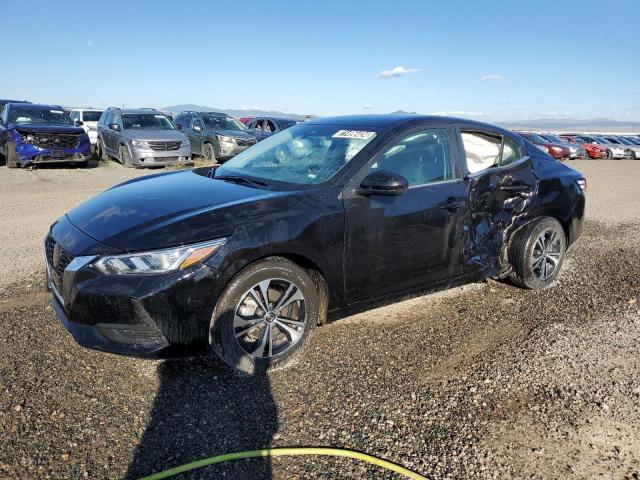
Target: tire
{"x": 102, "y": 154}
{"x": 125, "y": 158}
{"x": 608, "y": 155}
{"x": 536, "y": 248}
{"x": 209, "y": 153}
{"x": 242, "y": 342}
{"x": 11, "y": 156}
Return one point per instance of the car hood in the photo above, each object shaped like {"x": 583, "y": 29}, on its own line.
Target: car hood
{"x": 171, "y": 209}
{"x": 162, "y": 135}
{"x": 22, "y": 128}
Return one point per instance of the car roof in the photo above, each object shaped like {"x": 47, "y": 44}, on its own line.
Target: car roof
{"x": 138, "y": 110}
{"x": 392, "y": 120}
{"x": 212, "y": 114}
{"x": 36, "y": 105}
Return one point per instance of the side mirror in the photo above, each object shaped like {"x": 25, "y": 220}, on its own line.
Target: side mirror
{"x": 383, "y": 182}
{"x": 197, "y": 128}
{"x": 114, "y": 126}
{"x": 77, "y": 123}
{"x": 178, "y": 126}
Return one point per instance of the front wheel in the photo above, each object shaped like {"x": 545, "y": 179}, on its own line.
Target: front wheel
{"x": 264, "y": 316}
{"x": 537, "y": 253}
{"x": 608, "y": 155}
{"x": 209, "y": 153}
{"x": 125, "y": 157}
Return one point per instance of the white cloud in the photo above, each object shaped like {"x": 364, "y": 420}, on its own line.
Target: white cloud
{"x": 90, "y": 43}
{"x": 492, "y": 78}
{"x": 398, "y": 72}
{"x": 367, "y": 106}
{"x": 458, "y": 113}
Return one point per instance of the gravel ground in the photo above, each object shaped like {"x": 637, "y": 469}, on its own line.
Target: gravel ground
{"x": 484, "y": 381}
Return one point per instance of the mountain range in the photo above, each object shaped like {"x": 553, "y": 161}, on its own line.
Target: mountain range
{"x": 542, "y": 124}
{"x": 234, "y": 113}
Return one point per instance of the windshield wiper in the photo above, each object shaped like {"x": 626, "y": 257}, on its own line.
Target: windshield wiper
{"x": 237, "y": 179}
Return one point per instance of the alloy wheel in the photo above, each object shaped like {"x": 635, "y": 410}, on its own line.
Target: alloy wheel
{"x": 270, "y": 318}
{"x": 546, "y": 255}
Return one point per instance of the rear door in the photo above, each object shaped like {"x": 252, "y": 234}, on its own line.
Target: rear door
{"x": 502, "y": 185}
{"x": 395, "y": 243}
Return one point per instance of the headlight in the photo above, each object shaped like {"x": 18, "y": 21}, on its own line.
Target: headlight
{"x": 139, "y": 143}
{"x": 158, "y": 261}
{"x": 225, "y": 139}
{"x": 185, "y": 143}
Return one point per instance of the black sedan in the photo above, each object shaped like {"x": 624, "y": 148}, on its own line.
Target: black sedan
{"x": 321, "y": 220}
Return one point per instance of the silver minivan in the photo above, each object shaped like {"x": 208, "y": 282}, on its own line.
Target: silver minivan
{"x": 141, "y": 137}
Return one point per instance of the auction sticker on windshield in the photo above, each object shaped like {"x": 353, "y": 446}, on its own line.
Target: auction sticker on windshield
{"x": 363, "y": 134}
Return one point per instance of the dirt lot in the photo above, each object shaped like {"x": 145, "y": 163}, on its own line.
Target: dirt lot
{"x": 485, "y": 381}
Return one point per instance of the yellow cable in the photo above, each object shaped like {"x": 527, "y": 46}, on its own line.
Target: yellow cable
{"x": 286, "y": 451}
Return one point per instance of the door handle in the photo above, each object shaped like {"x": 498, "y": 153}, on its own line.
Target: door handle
{"x": 452, "y": 206}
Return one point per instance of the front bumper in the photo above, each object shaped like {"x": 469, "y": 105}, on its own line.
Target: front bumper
{"x": 129, "y": 315}
{"x": 29, "y": 154}
{"x": 225, "y": 151}
{"x": 160, "y": 158}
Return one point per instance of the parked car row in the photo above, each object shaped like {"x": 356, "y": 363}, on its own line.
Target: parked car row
{"x": 578, "y": 145}
{"x": 31, "y": 134}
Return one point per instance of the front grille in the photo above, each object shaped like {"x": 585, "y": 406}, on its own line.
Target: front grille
{"x": 63, "y": 260}
{"x": 245, "y": 143}
{"x": 55, "y": 140}
{"x": 163, "y": 146}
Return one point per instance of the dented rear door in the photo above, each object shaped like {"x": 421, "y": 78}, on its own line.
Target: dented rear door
{"x": 500, "y": 199}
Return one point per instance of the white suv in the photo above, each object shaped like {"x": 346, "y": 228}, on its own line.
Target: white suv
{"x": 87, "y": 118}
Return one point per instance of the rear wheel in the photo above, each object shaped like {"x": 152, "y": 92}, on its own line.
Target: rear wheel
{"x": 608, "y": 155}
{"x": 12, "y": 156}
{"x": 264, "y": 316}
{"x": 537, "y": 253}
{"x": 125, "y": 157}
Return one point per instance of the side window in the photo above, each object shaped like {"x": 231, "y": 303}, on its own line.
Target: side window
{"x": 259, "y": 125}
{"x": 269, "y": 126}
{"x": 481, "y": 150}
{"x": 109, "y": 120}
{"x": 421, "y": 157}
{"x": 183, "y": 120}
{"x": 75, "y": 116}
{"x": 511, "y": 151}
{"x": 197, "y": 122}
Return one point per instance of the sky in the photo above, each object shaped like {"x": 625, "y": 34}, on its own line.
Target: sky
{"x": 490, "y": 60}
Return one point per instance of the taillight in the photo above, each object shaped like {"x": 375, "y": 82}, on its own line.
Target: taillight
{"x": 582, "y": 184}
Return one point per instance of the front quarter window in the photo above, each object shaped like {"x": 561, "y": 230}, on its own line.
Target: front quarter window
{"x": 305, "y": 154}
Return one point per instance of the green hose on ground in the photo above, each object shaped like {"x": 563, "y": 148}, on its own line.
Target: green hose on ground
{"x": 286, "y": 451}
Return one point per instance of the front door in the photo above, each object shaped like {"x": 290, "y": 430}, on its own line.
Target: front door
{"x": 195, "y": 134}
{"x": 395, "y": 243}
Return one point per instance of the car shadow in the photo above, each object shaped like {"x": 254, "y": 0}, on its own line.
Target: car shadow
{"x": 203, "y": 409}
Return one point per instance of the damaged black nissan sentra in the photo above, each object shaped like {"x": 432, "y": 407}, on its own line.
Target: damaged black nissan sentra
{"x": 323, "y": 219}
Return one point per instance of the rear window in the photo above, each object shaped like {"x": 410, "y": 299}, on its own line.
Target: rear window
{"x": 91, "y": 116}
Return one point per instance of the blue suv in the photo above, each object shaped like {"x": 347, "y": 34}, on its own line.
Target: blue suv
{"x": 33, "y": 134}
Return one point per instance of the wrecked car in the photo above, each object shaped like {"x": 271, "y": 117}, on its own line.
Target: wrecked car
{"x": 321, "y": 220}
{"x": 32, "y": 134}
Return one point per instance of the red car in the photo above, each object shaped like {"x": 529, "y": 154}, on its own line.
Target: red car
{"x": 594, "y": 150}
{"x": 246, "y": 120}
{"x": 556, "y": 150}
